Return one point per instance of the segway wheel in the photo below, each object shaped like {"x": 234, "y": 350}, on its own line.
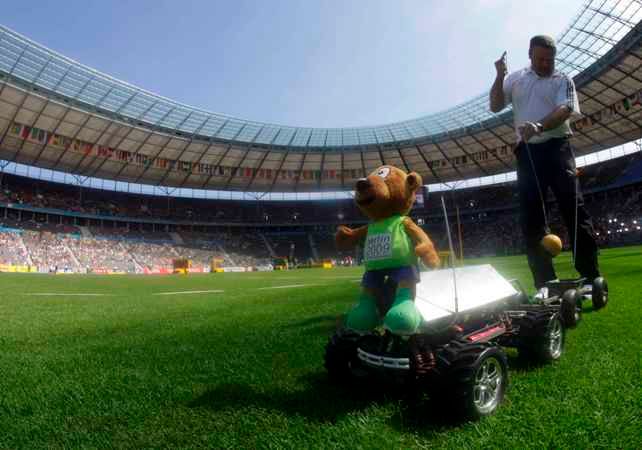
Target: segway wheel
{"x": 571, "y": 308}
{"x": 600, "y": 294}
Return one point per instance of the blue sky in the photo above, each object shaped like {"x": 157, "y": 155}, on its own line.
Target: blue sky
{"x": 325, "y": 63}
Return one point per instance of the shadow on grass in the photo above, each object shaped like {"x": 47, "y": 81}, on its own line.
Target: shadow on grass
{"x": 326, "y": 402}
{"x": 319, "y": 400}
{"x": 621, "y": 255}
{"x": 518, "y": 363}
{"x": 323, "y": 324}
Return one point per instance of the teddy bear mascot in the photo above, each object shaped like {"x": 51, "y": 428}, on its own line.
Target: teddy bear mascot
{"x": 393, "y": 243}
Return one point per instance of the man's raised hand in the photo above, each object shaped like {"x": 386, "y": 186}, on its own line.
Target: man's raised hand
{"x": 500, "y": 66}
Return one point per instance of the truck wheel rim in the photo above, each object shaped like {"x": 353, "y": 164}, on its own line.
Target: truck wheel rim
{"x": 488, "y": 384}
{"x": 555, "y": 337}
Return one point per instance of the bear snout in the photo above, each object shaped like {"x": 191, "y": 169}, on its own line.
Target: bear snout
{"x": 363, "y": 184}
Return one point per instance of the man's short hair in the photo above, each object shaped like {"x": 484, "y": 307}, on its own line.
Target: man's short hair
{"x": 543, "y": 41}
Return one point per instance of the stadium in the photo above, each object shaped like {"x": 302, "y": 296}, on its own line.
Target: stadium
{"x": 107, "y": 190}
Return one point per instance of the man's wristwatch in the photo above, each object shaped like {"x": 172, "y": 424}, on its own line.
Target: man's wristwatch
{"x": 539, "y": 127}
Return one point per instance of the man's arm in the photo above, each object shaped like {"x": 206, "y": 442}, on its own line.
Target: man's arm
{"x": 497, "y": 98}
{"x": 553, "y": 120}
{"x": 567, "y": 104}
{"x": 556, "y": 118}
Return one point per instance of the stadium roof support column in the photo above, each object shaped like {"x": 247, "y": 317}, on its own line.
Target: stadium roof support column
{"x": 164, "y": 146}
{"x": 189, "y": 141}
{"x": 479, "y": 166}
{"x": 256, "y": 171}
{"x": 299, "y": 172}
{"x": 3, "y": 165}
{"x": 447, "y": 158}
{"x": 595, "y": 35}
{"x": 64, "y": 116}
{"x": 490, "y": 151}
{"x": 95, "y": 143}
{"x": 198, "y": 161}
{"x": 624, "y": 116}
{"x": 22, "y": 103}
{"x": 604, "y": 125}
{"x": 461, "y": 147}
{"x": 216, "y": 166}
{"x": 433, "y": 142}
{"x": 363, "y": 164}
{"x": 285, "y": 155}
{"x": 204, "y": 185}
{"x": 321, "y": 168}
{"x": 136, "y": 119}
{"x": 287, "y": 152}
{"x": 423, "y": 156}
{"x": 383, "y": 160}
{"x": 80, "y": 183}
{"x": 113, "y": 120}
{"x": 4, "y": 84}
{"x": 341, "y": 171}
{"x": 498, "y": 137}
{"x": 403, "y": 160}
{"x": 13, "y": 118}
{"x": 234, "y": 171}
{"x": 168, "y": 194}
{"x": 152, "y": 132}
{"x": 211, "y": 141}
{"x": 612, "y": 17}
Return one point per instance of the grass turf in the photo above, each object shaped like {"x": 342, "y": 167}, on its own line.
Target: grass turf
{"x": 243, "y": 368}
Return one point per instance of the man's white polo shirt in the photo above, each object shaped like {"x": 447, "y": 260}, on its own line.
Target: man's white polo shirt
{"x": 534, "y": 97}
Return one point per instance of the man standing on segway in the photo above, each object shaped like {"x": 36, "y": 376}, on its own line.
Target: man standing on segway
{"x": 543, "y": 99}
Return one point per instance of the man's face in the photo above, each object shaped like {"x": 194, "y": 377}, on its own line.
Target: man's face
{"x": 542, "y": 60}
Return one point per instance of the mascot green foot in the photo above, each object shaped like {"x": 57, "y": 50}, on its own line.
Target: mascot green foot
{"x": 363, "y": 317}
{"x": 403, "y": 318}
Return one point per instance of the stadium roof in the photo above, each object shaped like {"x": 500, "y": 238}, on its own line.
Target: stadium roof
{"x": 56, "y": 113}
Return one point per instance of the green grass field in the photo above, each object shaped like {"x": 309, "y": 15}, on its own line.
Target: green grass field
{"x": 243, "y": 368}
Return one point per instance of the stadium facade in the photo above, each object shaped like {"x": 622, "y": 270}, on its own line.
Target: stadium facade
{"x": 58, "y": 114}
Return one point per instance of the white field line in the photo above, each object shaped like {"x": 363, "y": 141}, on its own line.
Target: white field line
{"x": 338, "y": 276}
{"x": 261, "y": 277}
{"x": 286, "y": 286}
{"x": 212, "y": 291}
{"x": 62, "y": 294}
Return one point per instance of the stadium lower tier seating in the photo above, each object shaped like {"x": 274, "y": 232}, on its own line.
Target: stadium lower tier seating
{"x": 49, "y": 242}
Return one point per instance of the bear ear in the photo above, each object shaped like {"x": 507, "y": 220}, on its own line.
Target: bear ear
{"x": 413, "y": 181}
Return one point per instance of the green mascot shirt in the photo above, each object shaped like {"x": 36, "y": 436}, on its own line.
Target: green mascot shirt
{"x": 388, "y": 245}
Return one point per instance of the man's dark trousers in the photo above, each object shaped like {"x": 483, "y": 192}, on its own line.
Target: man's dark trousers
{"x": 554, "y": 163}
